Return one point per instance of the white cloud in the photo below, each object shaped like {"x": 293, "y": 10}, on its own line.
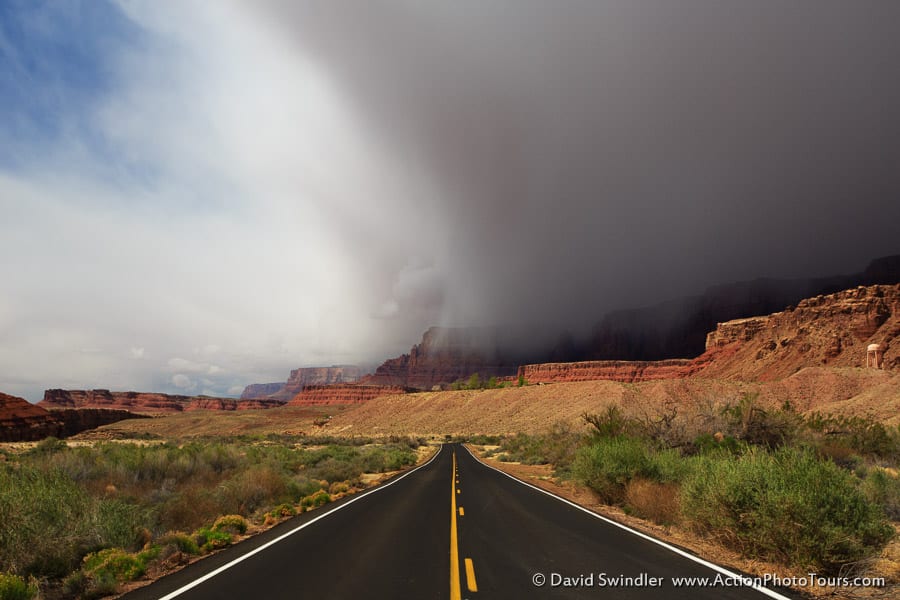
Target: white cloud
{"x": 182, "y": 381}
{"x": 137, "y": 353}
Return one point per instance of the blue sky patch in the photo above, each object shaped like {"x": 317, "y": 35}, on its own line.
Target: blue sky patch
{"x": 57, "y": 61}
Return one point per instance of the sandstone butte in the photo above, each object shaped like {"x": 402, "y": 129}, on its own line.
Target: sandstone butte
{"x": 300, "y": 379}
{"x": 22, "y": 421}
{"x": 827, "y": 330}
{"x": 145, "y": 402}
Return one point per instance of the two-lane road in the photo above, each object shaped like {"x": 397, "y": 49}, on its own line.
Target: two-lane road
{"x": 452, "y": 528}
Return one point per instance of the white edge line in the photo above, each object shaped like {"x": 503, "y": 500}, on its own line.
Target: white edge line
{"x": 697, "y": 559}
{"x": 244, "y": 557}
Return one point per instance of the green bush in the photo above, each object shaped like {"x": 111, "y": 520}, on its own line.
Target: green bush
{"x": 233, "y": 524}
{"x": 13, "y": 587}
{"x": 47, "y": 521}
{"x": 179, "y": 540}
{"x": 613, "y": 423}
{"x": 115, "y": 562}
{"x": 608, "y": 464}
{"x": 209, "y": 540}
{"x": 282, "y": 510}
{"x": 884, "y": 490}
{"x": 318, "y": 499}
{"x": 786, "y": 506}
{"x": 557, "y": 447}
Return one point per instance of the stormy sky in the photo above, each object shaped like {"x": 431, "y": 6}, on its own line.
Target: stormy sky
{"x": 200, "y": 195}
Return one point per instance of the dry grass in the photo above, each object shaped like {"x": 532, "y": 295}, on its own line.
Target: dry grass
{"x": 651, "y": 500}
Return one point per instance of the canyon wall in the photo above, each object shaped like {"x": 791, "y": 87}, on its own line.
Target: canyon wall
{"x": 612, "y": 370}
{"x": 445, "y": 355}
{"x": 146, "y": 402}
{"x": 319, "y": 395}
{"x": 21, "y": 421}
{"x": 679, "y": 327}
{"x": 826, "y": 330}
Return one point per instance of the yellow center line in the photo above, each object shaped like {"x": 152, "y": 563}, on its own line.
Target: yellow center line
{"x": 470, "y": 576}
{"x": 455, "y": 592}
{"x": 462, "y": 513}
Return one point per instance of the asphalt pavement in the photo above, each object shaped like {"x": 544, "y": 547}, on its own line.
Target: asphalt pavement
{"x": 453, "y": 528}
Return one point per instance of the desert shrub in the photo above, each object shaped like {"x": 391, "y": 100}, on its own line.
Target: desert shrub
{"x": 786, "y": 506}
{"x": 13, "y": 587}
{"x": 839, "y": 453}
{"x": 182, "y": 541}
{"x": 332, "y": 469}
{"x": 883, "y": 488}
{"x": 556, "y": 447}
{"x": 190, "y": 507}
{"x": 863, "y": 435}
{"x": 208, "y": 540}
{"x": 115, "y": 562}
{"x": 612, "y": 422}
{"x": 283, "y": 510}
{"x": 101, "y": 585}
{"x": 707, "y": 444}
{"x": 608, "y": 464}
{"x": 759, "y": 427}
{"x": 524, "y": 448}
{"x": 233, "y": 524}
{"x": 47, "y": 446}
{"x": 318, "y": 499}
{"x": 338, "y": 487}
{"x": 301, "y": 486}
{"x": 46, "y": 521}
{"x": 651, "y": 500}
{"x": 397, "y": 458}
{"x": 251, "y": 488}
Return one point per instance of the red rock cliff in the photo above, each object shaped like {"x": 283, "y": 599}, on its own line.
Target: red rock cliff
{"x": 307, "y": 376}
{"x": 145, "y": 402}
{"x": 445, "y": 355}
{"x": 613, "y": 370}
{"x": 832, "y": 330}
{"x": 21, "y": 421}
{"x": 317, "y": 395}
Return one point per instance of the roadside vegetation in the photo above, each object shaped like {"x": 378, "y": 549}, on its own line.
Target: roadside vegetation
{"x": 809, "y": 492}
{"x": 79, "y": 522}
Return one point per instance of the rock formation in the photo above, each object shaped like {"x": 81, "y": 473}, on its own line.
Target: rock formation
{"x": 146, "y": 402}
{"x": 445, "y": 355}
{"x": 832, "y": 330}
{"x": 613, "y": 370}
{"x": 300, "y": 378}
{"x": 21, "y": 421}
{"x": 678, "y": 328}
{"x": 261, "y": 390}
{"x": 319, "y": 395}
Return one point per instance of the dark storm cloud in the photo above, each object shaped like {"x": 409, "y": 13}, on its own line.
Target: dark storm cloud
{"x": 593, "y": 154}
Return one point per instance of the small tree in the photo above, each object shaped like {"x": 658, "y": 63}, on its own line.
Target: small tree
{"x": 521, "y": 379}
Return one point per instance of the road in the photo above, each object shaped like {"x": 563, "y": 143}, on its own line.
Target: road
{"x": 450, "y": 529}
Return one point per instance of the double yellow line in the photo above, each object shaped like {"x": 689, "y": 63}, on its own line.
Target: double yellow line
{"x": 471, "y": 585}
